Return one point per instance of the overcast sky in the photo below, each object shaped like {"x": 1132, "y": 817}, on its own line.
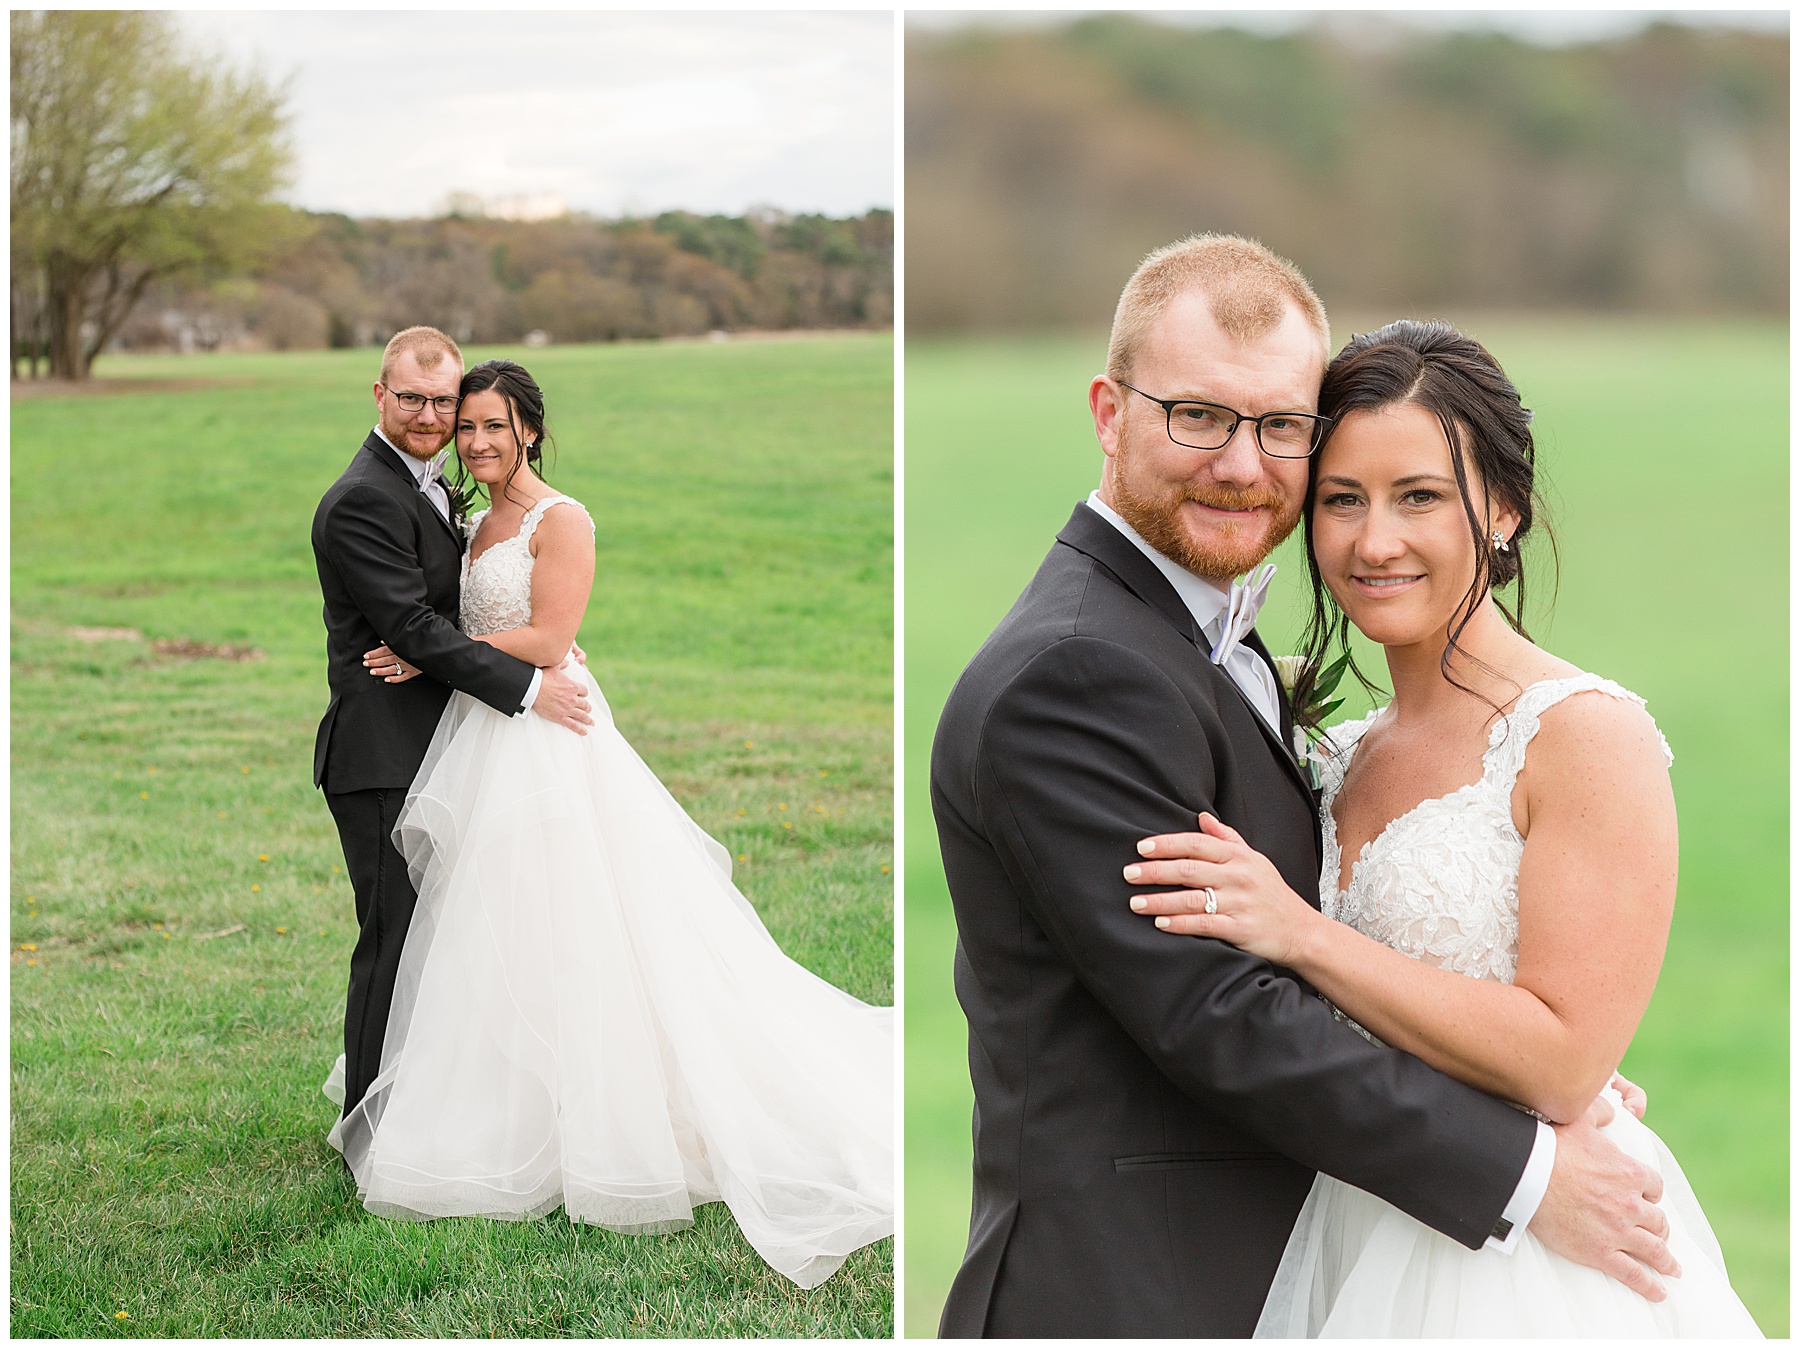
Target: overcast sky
{"x": 613, "y": 112}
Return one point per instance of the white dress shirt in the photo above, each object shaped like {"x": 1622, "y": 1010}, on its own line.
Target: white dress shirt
{"x": 1206, "y": 602}
{"x": 435, "y": 493}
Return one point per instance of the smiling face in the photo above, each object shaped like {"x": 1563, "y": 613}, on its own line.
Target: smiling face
{"x": 485, "y": 440}
{"x": 1389, "y": 530}
{"x": 423, "y": 433}
{"x": 1216, "y": 512}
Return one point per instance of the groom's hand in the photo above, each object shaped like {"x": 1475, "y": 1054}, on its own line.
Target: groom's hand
{"x": 1600, "y": 1209}
{"x": 562, "y": 700}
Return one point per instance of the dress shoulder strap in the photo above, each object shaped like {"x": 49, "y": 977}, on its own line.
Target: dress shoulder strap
{"x": 472, "y": 523}
{"x": 1513, "y": 732}
{"x": 529, "y": 526}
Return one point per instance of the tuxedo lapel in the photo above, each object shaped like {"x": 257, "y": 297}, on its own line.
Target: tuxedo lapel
{"x": 1285, "y": 741}
{"x": 1088, "y": 533}
{"x": 386, "y": 455}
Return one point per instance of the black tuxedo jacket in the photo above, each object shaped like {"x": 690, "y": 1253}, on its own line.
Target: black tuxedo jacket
{"x": 1150, "y": 1109}
{"x": 390, "y": 568}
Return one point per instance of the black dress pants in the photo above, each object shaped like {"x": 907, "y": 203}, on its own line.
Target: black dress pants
{"x": 384, "y": 905}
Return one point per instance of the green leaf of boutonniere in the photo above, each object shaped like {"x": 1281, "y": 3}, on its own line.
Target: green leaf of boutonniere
{"x": 462, "y": 500}
{"x": 1318, "y": 702}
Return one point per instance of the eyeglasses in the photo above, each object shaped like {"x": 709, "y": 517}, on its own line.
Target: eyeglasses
{"x": 1210, "y": 426}
{"x": 415, "y": 402}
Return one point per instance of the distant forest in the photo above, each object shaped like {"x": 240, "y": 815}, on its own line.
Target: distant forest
{"x": 1398, "y": 168}
{"x": 329, "y": 280}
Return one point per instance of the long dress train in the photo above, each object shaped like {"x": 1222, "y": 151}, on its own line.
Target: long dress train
{"x": 589, "y": 1014}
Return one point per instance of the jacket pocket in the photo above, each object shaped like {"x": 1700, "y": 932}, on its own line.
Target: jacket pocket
{"x": 1184, "y": 1161}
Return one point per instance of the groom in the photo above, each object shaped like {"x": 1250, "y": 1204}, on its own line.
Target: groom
{"x": 388, "y": 542}
{"x": 1149, "y": 1113}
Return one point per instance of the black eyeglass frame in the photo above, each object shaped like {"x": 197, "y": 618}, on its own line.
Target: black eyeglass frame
{"x": 455, "y": 401}
{"x": 1321, "y": 423}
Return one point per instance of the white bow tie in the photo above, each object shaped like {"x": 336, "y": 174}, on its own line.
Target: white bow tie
{"x": 434, "y": 471}
{"x": 1241, "y": 608}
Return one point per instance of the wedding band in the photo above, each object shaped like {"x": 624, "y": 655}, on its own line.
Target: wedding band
{"x": 1212, "y": 900}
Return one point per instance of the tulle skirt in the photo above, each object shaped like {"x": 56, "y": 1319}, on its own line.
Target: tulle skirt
{"x": 588, "y": 1014}
{"x": 1356, "y": 1266}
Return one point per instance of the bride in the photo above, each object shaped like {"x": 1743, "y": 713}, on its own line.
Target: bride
{"x": 1499, "y": 857}
{"x": 588, "y": 1014}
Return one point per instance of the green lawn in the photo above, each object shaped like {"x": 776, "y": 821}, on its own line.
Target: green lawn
{"x": 1673, "y": 538}
{"x": 170, "y": 1175}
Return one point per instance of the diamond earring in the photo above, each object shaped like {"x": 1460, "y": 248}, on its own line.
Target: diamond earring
{"x": 1500, "y": 544}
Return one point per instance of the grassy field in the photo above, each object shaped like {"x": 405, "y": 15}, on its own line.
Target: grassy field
{"x": 1673, "y": 536}
{"x": 182, "y": 928}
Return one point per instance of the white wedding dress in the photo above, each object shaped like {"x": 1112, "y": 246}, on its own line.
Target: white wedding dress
{"x": 589, "y": 1014}
{"x": 1440, "y": 884}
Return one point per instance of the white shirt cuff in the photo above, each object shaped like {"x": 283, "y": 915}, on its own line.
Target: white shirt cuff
{"x": 1533, "y": 1185}
{"x": 537, "y": 679}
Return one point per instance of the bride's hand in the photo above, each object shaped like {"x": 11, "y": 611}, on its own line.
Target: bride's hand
{"x": 386, "y": 666}
{"x": 1254, "y": 908}
{"x": 1631, "y": 1094}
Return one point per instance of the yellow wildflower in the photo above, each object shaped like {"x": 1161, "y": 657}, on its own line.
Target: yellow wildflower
{"x": 262, "y": 856}
{"x": 255, "y": 888}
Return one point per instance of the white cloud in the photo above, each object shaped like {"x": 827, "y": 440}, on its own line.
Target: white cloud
{"x": 611, "y": 111}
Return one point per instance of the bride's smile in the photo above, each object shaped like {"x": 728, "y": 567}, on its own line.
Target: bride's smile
{"x": 485, "y": 439}
{"x": 1393, "y": 540}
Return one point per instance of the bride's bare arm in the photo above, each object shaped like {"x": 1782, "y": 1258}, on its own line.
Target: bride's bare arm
{"x": 560, "y": 583}
{"x": 1596, "y": 892}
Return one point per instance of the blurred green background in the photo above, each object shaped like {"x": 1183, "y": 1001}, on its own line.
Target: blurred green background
{"x": 1672, "y": 532}
{"x": 1602, "y": 197}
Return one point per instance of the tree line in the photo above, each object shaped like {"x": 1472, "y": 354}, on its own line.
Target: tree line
{"x": 1400, "y": 169}
{"x": 145, "y": 217}
{"x": 339, "y": 282}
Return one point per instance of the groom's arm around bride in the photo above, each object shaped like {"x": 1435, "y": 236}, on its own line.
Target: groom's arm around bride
{"x": 1149, "y": 1112}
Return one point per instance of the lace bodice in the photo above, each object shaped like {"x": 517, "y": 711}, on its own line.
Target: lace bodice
{"x": 1441, "y": 882}
{"x": 496, "y": 587}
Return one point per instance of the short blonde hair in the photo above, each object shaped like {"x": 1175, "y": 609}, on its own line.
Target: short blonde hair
{"x": 1247, "y": 288}
{"x": 428, "y": 346}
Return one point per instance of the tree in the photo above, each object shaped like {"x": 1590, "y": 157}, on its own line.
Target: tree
{"x": 129, "y": 163}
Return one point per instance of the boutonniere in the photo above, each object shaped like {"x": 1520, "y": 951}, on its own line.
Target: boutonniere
{"x": 462, "y": 500}
{"x": 1309, "y": 714}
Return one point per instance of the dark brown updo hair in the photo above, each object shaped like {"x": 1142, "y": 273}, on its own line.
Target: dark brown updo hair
{"x": 525, "y": 410}
{"x": 1456, "y": 379}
